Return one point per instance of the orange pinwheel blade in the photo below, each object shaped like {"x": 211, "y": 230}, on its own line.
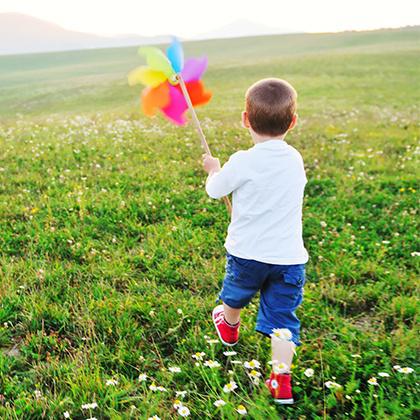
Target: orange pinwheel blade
{"x": 197, "y": 92}
{"x": 154, "y": 98}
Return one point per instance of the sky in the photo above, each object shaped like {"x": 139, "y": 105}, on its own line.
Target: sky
{"x": 190, "y": 18}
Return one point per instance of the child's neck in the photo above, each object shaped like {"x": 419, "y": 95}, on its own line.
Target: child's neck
{"x": 257, "y": 138}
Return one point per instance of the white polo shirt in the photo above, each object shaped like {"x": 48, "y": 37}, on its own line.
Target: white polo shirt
{"x": 267, "y": 182}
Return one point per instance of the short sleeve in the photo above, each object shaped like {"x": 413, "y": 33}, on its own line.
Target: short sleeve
{"x": 229, "y": 178}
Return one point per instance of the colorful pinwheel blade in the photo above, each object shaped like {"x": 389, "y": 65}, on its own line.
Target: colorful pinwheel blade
{"x": 153, "y": 99}
{"x": 197, "y": 92}
{"x": 146, "y": 76}
{"x": 194, "y": 69}
{"x": 157, "y": 60}
{"x": 177, "y": 106}
{"x": 175, "y": 55}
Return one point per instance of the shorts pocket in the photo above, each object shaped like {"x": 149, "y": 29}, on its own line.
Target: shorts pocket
{"x": 295, "y": 275}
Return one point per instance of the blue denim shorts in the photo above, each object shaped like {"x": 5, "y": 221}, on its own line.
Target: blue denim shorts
{"x": 281, "y": 292}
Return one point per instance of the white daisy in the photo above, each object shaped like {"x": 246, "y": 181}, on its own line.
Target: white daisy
{"x": 406, "y": 370}
{"x": 212, "y": 364}
{"x": 111, "y": 382}
{"x": 241, "y": 410}
{"x": 230, "y": 353}
{"x": 253, "y": 364}
{"x": 332, "y": 385}
{"x": 183, "y": 411}
{"x": 309, "y": 373}
{"x": 198, "y": 355}
{"x": 282, "y": 334}
{"x": 219, "y": 403}
{"x": 229, "y": 387}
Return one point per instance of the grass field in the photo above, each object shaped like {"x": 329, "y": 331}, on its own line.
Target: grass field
{"x": 111, "y": 253}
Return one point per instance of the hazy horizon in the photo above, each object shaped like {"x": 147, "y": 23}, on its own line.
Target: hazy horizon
{"x": 189, "y": 21}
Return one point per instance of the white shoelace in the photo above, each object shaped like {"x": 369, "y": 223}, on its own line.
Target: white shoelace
{"x": 219, "y": 319}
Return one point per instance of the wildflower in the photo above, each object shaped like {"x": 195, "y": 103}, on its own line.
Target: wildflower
{"x": 90, "y": 406}
{"x": 177, "y": 404}
{"x": 280, "y": 367}
{"x": 66, "y": 415}
{"x": 179, "y": 311}
{"x": 332, "y": 385}
{"x": 236, "y": 362}
{"x": 323, "y": 224}
{"x": 174, "y": 369}
{"x": 153, "y": 387}
{"x": 230, "y": 353}
{"x": 396, "y": 367}
{"x": 383, "y": 374}
{"x": 373, "y": 381}
{"x": 142, "y": 377}
{"x": 155, "y": 417}
{"x": 348, "y": 397}
{"x": 183, "y": 411}
{"x": 181, "y": 393}
{"x": 406, "y": 370}
{"x": 161, "y": 389}
{"x": 356, "y": 356}
{"x": 212, "y": 341}
{"x": 212, "y": 364}
{"x": 110, "y": 382}
{"x": 229, "y": 387}
{"x": 219, "y": 403}
{"x": 309, "y": 373}
{"x": 241, "y": 410}
{"x": 253, "y": 364}
{"x": 282, "y": 333}
{"x": 198, "y": 355}
{"x": 255, "y": 376}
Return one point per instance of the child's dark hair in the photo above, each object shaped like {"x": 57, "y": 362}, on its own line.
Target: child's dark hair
{"x": 271, "y": 105}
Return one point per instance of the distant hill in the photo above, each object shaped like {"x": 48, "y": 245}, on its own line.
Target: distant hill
{"x": 25, "y": 34}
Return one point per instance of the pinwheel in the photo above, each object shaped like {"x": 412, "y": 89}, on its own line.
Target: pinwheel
{"x": 163, "y": 78}
{"x": 172, "y": 86}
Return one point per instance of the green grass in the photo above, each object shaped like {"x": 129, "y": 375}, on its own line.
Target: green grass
{"x": 111, "y": 253}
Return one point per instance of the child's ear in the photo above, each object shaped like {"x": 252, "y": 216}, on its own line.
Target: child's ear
{"x": 294, "y": 122}
{"x": 245, "y": 120}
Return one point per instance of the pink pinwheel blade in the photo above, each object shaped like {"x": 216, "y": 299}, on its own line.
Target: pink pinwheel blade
{"x": 194, "y": 69}
{"x": 177, "y": 106}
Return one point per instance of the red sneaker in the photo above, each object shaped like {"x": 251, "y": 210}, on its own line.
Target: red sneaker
{"x": 280, "y": 386}
{"x": 228, "y": 334}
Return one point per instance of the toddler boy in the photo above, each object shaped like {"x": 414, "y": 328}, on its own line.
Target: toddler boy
{"x": 265, "y": 250}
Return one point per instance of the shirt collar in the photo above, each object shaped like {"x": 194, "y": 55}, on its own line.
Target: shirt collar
{"x": 270, "y": 144}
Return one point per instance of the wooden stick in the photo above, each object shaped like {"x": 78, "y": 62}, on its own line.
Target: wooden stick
{"x": 203, "y": 140}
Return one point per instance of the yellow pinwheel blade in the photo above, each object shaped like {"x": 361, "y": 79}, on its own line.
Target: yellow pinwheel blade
{"x": 157, "y": 60}
{"x": 146, "y": 76}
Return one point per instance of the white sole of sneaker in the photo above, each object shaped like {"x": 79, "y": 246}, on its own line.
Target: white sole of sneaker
{"x": 220, "y": 337}
{"x": 288, "y": 401}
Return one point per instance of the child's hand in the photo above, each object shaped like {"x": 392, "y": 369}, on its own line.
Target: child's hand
{"x": 210, "y": 164}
